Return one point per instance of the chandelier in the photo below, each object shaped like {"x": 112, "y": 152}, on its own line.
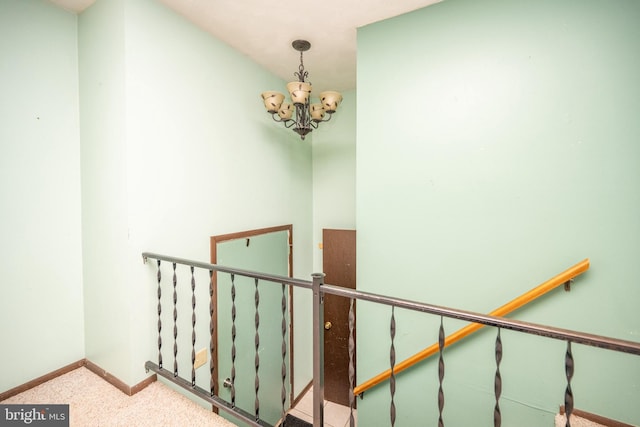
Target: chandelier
{"x": 300, "y": 114}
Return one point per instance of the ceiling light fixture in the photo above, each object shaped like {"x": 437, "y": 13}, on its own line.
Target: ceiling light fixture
{"x": 307, "y": 116}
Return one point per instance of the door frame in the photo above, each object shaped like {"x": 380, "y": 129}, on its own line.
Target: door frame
{"x": 214, "y": 240}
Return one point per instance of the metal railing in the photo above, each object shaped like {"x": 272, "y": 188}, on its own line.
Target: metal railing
{"x": 319, "y": 289}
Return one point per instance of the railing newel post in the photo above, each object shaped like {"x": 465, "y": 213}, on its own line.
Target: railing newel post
{"x": 283, "y": 349}
{"x": 318, "y": 349}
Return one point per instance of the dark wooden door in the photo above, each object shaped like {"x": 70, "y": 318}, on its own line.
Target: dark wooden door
{"x": 339, "y": 265}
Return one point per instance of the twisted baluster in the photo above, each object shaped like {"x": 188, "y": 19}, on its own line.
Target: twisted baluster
{"x": 568, "y": 394}
{"x": 233, "y": 341}
{"x": 257, "y": 347}
{"x": 440, "y": 373}
{"x": 212, "y": 331}
{"x": 175, "y": 322}
{"x": 352, "y": 370}
{"x": 497, "y": 384}
{"x": 193, "y": 328}
{"x": 392, "y": 362}
{"x": 159, "y": 318}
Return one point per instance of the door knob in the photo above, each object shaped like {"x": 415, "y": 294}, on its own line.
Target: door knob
{"x": 327, "y": 325}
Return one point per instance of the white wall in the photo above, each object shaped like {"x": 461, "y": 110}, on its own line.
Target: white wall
{"x": 40, "y": 256}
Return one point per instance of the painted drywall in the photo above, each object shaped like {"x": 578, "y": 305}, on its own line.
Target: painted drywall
{"x": 334, "y": 173}
{"x": 194, "y": 155}
{"x": 497, "y": 146}
{"x": 107, "y": 290}
{"x": 40, "y": 257}
{"x": 268, "y": 253}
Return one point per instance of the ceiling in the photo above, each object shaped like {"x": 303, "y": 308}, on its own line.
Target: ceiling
{"x": 264, "y": 30}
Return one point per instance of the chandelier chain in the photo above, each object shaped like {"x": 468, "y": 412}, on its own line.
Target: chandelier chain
{"x": 301, "y": 74}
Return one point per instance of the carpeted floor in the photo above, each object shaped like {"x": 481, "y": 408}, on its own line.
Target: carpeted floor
{"x": 561, "y": 421}
{"x": 93, "y": 402}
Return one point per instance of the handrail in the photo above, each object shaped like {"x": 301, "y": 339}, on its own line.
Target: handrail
{"x": 214, "y": 267}
{"x": 514, "y": 304}
{"x": 319, "y": 288}
{"x": 598, "y": 341}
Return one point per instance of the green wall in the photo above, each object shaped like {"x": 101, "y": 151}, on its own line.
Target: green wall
{"x": 150, "y": 135}
{"x": 103, "y": 114}
{"x": 334, "y": 158}
{"x": 130, "y": 129}
{"x": 497, "y": 146}
{"x": 334, "y": 173}
{"x": 267, "y": 253}
{"x": 184, "y": 152}
{"x": 40, "y": 255}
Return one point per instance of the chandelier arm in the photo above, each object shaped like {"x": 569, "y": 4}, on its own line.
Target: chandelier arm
{"x": 276, "y": 118}
{"x": 328, "y": 118}
{"x": 286, "y": 122}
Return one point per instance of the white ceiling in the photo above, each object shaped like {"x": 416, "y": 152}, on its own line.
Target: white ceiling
{"x": 263, "y": 30}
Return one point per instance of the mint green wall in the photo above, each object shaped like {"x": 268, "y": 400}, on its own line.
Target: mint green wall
{"x": 107, "y": 290}
{"x": 334, "y": 173}
{"x": 40, "y": 255}
{"x": 268, "y": 253}
{"x": 163, "y": 129}
{"x": 189, "y": 153}
{"x": 334, "y": 158}
{"x": 497, "y": 146}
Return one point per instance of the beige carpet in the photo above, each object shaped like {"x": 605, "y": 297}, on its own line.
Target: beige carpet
{"x": 94, "y": 402}
{"x": 561, "y": 421}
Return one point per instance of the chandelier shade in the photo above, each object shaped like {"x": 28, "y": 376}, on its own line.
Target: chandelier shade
{"x": 300, "y": 114}
{"x": 285, "y": 111}
{"x": 300, "y": 92}
{"x": 317, "y": 112}
{"x": 272, "y": 101}
{"x": 330, "y": 101}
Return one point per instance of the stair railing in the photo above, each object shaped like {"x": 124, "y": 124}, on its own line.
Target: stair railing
{"x": 566, "y": 335}
{"x": 319, "y": 290}
{"x": 564, "y": 278}
{"x": 212, "y": 393}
